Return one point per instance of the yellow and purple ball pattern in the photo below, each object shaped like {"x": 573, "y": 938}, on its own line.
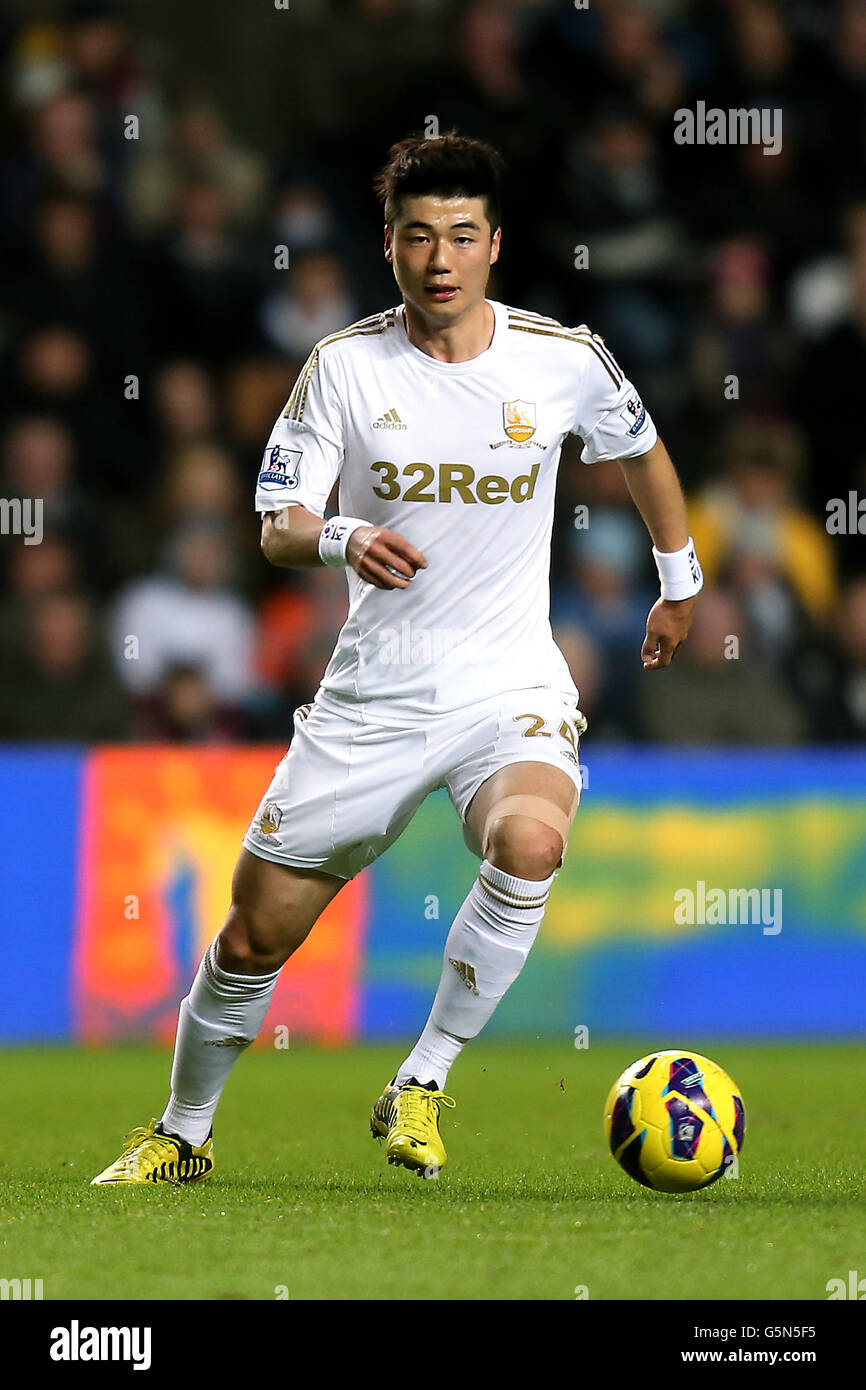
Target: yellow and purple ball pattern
{"x": 675, "y": 1121}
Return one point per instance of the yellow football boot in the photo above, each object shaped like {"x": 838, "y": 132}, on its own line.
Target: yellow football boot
{"x": 149, "y": 1155}
{"x": 407, "y": 1118}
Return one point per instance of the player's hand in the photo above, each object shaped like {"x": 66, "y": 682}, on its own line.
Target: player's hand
{"x": 384, "y": 558}
{"x": 666, "y": 629}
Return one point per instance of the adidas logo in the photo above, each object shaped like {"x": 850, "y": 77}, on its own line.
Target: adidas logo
{"x": 183, "y": 1169}
{"x": 389, "y": 421}
{"x": 466, "y": 973}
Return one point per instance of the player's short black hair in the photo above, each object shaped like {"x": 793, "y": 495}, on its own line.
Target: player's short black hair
{"x": 450, "y": 165}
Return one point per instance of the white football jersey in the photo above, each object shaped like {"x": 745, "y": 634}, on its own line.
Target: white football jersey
{"x": 461, "y": 459}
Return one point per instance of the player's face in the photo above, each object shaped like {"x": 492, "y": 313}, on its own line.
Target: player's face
{"x": 442, "y": 250}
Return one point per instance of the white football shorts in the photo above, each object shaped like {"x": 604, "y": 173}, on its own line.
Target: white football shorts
{"x": 355, "y": 773}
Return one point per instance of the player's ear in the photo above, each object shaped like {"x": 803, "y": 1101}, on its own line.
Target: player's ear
{"x": 388, "y": 243}
{"x": 495, "y": 245}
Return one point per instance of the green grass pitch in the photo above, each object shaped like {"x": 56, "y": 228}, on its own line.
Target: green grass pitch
{"x": 531, "y": 1205}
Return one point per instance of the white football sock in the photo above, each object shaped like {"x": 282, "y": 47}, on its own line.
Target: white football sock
{"x": 219, "y": 1018}
{"x": 486, "y": 950}
{"x": 432, "y": 1056}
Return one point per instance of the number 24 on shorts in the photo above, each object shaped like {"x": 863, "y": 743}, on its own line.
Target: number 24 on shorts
{"x": 567, "y": 731}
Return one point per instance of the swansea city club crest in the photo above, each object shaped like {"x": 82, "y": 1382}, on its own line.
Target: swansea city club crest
{"x": 518, "y": 419}
{"x": 271, "y": 815}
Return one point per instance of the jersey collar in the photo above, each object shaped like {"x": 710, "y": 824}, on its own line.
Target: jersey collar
{"x": 500, "y": 328}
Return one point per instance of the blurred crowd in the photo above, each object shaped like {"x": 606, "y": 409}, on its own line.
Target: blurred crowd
{"x": 149, "y": 340}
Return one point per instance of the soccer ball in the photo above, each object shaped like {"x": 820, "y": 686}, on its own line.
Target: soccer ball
{"x": 675, "y": 1121}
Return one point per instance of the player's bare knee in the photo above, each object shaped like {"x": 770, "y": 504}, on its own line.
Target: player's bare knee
{"x": 523, "y": 846}
{"x": 252, "y": 942}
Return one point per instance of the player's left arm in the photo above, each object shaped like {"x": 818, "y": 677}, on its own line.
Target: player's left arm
{"x": 655, "y": 489}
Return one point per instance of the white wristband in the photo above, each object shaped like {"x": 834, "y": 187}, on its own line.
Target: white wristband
{"x": 679, "y": 572}
{"x": 334, "y": 537}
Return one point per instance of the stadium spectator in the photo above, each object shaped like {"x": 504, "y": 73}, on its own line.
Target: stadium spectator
{"x": 199, "y": 145}
{"x": 820, "y": 292}
{"x": 309, "y": 306}
{"x": 830, "y": 673}
{"x": 295, "y": 624}
{"x": 750, "y": 529}
{"x": 53, "y": 373}
{"x": 201, "y": 279}
{"x": 604, "y": 597}
{"x": 187, "y": 614}
{"x": 724, "y": 692}
{"x": 33, "y": 572}
{"x": 39, "y": 462}
{"x": 202, "y": 482}
{"x": 740, "y": 351}
{"x": 852, "y": 649}
{"x": 63, "y": 154}
{"x": 183, "y": 709}
{"x": 69, "y": 274}
{"x": 186, "y": 408}
{"x": 60, "y": 686}
{"x": 256, "y": 391}
{"x": 833, "y": 369}
{"x": 103, "y": 59}
{"x": 304, "y": 218}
